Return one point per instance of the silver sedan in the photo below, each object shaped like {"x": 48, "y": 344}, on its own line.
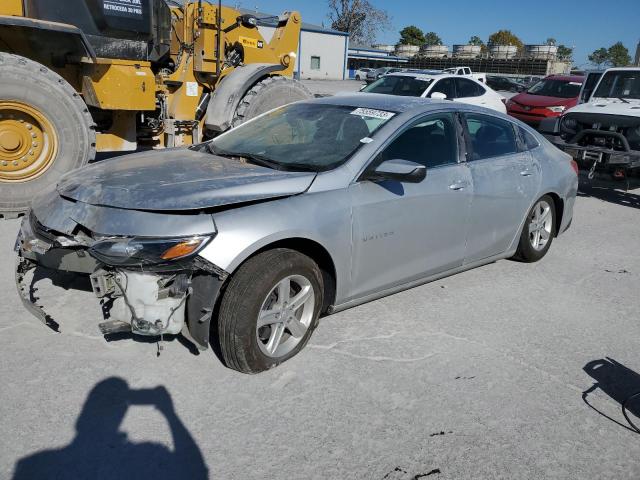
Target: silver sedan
{"x": 309, "y": 209}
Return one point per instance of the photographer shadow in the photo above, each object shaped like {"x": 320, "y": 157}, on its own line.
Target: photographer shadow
{"x": 618, "y": 382}
{"x": 101, "y": 451}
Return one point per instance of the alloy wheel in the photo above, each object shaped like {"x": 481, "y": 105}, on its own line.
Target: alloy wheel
{"x": 540, "y": 225}
{"x": 285, "y": 316}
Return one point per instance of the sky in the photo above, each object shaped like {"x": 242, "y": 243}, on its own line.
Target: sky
{"x": 585, "y": 24}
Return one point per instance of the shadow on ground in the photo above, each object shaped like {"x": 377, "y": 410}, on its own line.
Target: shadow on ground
{"x": 620, "y": 383}
{"x": 612, "y": 191}
{"x": 101, "y": 451}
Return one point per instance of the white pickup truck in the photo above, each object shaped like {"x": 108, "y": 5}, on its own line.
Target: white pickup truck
{"x": 603, "y": 132}
{"x": 466, "y": 72}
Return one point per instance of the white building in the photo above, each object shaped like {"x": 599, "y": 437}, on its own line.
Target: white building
{"x": 322, "y": 52}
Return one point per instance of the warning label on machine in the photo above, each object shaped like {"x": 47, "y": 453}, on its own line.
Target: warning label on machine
{"x": 123, "y": 8}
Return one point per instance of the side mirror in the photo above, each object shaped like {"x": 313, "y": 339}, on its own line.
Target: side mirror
{"x": 438, "y": 96}
{"x": 399, "y": 170}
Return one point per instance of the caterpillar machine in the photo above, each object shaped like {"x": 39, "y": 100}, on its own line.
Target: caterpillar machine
{"x": 80, "y": 77}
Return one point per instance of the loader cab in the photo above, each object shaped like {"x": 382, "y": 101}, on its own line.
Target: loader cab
{"x": 118, "y": 29}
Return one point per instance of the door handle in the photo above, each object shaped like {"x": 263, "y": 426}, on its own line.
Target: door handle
{"x": 526, "y": 173}
{"x": 459, "y": 185}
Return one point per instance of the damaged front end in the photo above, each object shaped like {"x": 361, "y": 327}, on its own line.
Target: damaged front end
{"x": 146, "y": 271}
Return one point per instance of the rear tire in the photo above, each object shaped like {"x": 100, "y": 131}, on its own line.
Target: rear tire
{"x": 270, "y": 93}
{"x": 31, "y": 95}
{"x": 245, "y": 332}
{"x": 538, "y": 231}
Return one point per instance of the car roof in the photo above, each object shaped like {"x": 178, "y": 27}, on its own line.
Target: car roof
{"x": 399, "y": 104}
{"x": 378, "y": 101}
{"x": 425, "y": 75}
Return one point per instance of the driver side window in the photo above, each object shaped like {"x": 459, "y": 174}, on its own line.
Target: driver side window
{"x": 431, "y": 141}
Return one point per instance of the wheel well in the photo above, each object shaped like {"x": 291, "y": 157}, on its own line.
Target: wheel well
{"x": 558, "y": 205}
{"x": 318, "y": 254}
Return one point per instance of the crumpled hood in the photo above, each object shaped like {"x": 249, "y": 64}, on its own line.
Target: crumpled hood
{"x": 608, "y": 106}
{"x": 178, "y": 179}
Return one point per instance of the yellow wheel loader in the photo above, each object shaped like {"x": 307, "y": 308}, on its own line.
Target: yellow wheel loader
{"x": 79, "y": 77}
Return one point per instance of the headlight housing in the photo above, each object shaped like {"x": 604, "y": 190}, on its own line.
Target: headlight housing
{"x": 557, "y": 108}
{"x": 146, "y": 251}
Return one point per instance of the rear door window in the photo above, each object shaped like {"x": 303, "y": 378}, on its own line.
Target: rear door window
{"x": 529, "y": 142}
{"x": 490, "y": 136}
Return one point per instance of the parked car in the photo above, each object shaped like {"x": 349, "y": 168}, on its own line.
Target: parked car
{"x": 312, "y": 208}
{"x": 466, "y": 72}
{"x": 374, "y": 75}
{"x": 504, "y": 84}
{"x": 603, "y": 134}
{"x": 438, "y": 85}
{"x": 550, "y": 97}
{"x": 361, "y": 73}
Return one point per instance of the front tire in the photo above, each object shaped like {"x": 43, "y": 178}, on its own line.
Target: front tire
{"x": 538, "y": 231}
{"x": 269, "y": 310}
{"x": 46, "y": 130}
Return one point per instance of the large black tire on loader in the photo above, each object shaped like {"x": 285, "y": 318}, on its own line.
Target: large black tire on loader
{"x": 270, "y": 93}
{"x": 46, "y": 130}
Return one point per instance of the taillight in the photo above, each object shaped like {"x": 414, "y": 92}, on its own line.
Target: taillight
{"x": 574, "y": 165}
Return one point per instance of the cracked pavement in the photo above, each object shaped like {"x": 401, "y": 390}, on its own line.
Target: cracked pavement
{"x": 476, "y": 376}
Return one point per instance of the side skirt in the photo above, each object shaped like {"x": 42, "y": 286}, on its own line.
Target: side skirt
{"x": 416, "y": 283}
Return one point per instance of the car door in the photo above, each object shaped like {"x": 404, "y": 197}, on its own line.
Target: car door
{"x": 504, "y": 183}
{"x": 405, "y": 231}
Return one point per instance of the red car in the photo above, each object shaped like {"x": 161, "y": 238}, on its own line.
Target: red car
{"x": 550, "y": 97}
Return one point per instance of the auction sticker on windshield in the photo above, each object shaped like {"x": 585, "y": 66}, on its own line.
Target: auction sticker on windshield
{"x": 373, "y": 113}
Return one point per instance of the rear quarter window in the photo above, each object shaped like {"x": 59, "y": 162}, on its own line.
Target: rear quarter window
{"x": 529, "y": 141}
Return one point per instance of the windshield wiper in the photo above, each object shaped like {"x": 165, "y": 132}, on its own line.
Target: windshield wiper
{"x": 252, "y": 157}
{"x": 623, "y": 100}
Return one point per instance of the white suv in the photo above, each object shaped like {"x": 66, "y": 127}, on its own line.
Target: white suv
{"x": 438, "y": 86}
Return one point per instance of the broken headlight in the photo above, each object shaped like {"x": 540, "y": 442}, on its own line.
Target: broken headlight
{"x": 146, "y": 251}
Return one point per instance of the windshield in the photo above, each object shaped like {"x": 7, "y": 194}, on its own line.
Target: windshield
{"x": 302, "y": 136}
{"x": 556, "y": 88}
{"x": 619, "y": 84}
{"x": 397, "y": 85}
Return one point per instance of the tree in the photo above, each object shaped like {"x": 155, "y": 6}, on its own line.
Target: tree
{"x": 432, "y": 38}
{"x": 505, "y": 37}
{"x": 412, "y": 35}
{"x": 564, "y": 52}
{"x": 618, "y": 55}
{"x": 599, "y": 57}
{"x": 550, "y": 41}
{"x": 359, "y": 18}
